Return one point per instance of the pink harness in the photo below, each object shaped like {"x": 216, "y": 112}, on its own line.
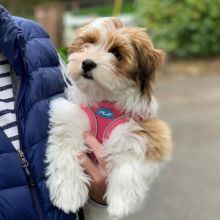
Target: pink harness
{"x": 104, "y": 118}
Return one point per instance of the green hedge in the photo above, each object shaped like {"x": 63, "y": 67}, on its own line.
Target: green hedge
{"x": 24, "y": 8}
{"x": 63, "y": 53}
{"x": 183, "y": 28}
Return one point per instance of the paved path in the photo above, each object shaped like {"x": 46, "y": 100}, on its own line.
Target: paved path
{"x": 189, "y": 187}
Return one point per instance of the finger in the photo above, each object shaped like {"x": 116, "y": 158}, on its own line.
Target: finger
{"x": 90, "y": 168}
{"x": 93, "y": 143}
{"x": 96, "y": 147}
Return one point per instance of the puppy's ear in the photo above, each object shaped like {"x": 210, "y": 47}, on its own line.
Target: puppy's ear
{"x": 148, "y": 60}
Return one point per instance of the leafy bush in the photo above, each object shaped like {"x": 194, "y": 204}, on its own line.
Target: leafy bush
{"x": 105, "y": 9}
{"x": 183, "y": 28}
{"x": 63, "y": 53}
{"x": 23, "y": 8}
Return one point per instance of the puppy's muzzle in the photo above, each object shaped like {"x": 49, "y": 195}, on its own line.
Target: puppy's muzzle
{"x": 87, "y": 66}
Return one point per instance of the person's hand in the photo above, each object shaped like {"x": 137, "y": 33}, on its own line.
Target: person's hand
{"x": 95, "y": 169}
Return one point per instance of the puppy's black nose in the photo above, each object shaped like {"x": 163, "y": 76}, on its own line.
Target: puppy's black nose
{"x": 88, "y": 65}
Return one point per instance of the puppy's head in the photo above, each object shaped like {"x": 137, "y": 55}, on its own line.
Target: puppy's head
{"x": 106, "y": 58}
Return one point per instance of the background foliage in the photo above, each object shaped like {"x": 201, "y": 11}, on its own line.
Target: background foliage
{"x": 63, "y": 53}
{"x": 22, "y": 7}
{"x": 182, "y": 27}
{"x": 87, "y": 7}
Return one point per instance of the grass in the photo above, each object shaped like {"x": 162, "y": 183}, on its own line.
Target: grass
{"x": 106, "y": 10}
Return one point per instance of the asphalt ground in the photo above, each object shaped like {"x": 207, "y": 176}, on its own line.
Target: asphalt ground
{"x": 188, "y": 188}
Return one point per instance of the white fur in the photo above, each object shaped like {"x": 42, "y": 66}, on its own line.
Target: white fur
{"x": 128, "y": 99}
{"x": 67, "y": 182}
{"x": 130, "y": 173}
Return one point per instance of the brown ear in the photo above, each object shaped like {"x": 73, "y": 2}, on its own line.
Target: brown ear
{"x": 148, "y": 60}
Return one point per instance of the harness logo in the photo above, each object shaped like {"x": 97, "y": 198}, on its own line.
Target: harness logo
{"x": 105, "y": 113}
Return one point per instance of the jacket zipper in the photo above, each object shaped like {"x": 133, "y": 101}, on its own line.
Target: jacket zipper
{"x": 24, "y": 161}
{"x": 25, "y": 165}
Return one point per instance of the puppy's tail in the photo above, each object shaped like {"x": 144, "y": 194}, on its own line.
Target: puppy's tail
{"x": 158, "y": 139}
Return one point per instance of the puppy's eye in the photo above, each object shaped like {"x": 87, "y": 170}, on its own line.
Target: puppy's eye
{"x": 87, "y": 45}
{"x": 116, "y": 53}
{"x": 84, "y": 47}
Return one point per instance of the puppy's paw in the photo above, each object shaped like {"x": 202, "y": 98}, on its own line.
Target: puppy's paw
{"x": 119, "y": 207}
{"x": 68, "y": 193}
{"x": 67, "y": 182}
{"x": 128, "y": 184}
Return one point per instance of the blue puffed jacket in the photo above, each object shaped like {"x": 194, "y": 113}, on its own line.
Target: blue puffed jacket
{"x": 23, "y": 195}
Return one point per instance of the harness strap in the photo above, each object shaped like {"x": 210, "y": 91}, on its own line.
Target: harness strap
{"x": 114, "y": 124}
{"x": 105, "y": 131}
{"x": 105, "y": 117}
{"x": 92, "y": 119}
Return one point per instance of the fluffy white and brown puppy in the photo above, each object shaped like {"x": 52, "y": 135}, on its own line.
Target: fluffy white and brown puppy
{"x": 116, "y": 64}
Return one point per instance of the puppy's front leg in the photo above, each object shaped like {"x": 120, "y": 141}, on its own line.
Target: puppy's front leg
{"x": 127, "y": 186}
{"x": 67, "y": 182}
{"x": 134, "y": 161}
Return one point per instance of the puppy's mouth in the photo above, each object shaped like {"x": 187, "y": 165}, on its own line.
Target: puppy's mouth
{"x": 87, "y": 75}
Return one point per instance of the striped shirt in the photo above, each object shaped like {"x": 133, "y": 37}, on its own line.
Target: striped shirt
{"x": 7, "y": 105}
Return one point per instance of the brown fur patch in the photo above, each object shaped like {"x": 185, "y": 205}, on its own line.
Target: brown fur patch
{"x": 117, "y": 22}
{"x": 139, "y": 57}
{"x": 148, "y": 59}
{"x": 112, "y": 23}
{"x": 118, "y": 40}
{"x": 92, "y": 36}
{"x": 158, "y": 137}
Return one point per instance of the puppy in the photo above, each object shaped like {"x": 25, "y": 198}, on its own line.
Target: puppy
{"x": 113, "y": 68}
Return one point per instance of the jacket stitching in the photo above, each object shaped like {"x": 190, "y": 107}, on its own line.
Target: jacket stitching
{"x": 48, "y": 97}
